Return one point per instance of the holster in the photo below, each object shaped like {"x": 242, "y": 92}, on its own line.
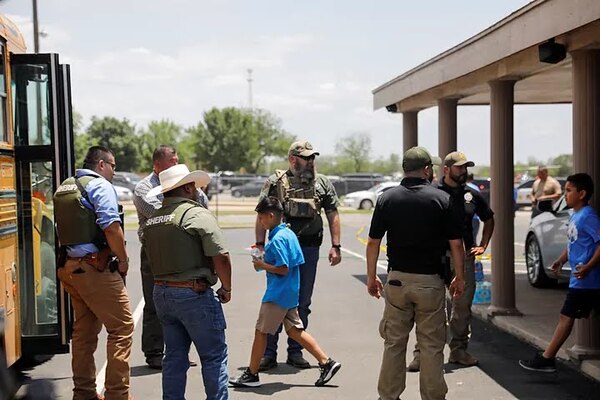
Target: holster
{"x": 446, "y": 274}
{"x": 99, "y": 260}
{"x": 62, "y": 256}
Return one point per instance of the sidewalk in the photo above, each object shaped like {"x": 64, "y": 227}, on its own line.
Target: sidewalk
{"x": 540, "y": 308}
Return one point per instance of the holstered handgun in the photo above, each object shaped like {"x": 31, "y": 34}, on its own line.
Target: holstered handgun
{"x": 446, "y": 273}
{"x": 99, "y": 260}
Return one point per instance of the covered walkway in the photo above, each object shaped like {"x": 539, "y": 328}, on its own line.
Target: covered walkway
{"x": 547, "y": 52}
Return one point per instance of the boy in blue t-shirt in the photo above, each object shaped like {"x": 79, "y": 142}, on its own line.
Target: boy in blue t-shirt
{"x": 583, "y": 253}
{"x": 282, "y": 257}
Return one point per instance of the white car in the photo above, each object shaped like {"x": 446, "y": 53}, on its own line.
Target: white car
{"x": 366, "y": 199}
{"x": 123, "y": 193}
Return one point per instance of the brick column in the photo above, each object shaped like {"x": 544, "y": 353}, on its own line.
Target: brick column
{"x": 502, "y": 161}
{"x": 410, "y": 130}
{"x": 586, "y": 151}
{"x": 447, "y": 138}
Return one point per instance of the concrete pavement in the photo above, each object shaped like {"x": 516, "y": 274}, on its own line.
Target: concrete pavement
{"x": 345, "y": 322}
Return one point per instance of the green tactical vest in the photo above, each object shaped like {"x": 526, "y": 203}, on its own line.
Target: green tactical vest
{"x": 76, "y": 224}
{"x": 170, "y": 249}
{"x": 301, "y": 204}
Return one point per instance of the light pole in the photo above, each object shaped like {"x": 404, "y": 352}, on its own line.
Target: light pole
{"x": 249, "y": 88}
{"x": 36, "y": 33}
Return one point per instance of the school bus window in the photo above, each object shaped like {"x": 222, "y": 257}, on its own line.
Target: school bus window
{"x": 3, "y": 101}
{"x": 32, "y": 106}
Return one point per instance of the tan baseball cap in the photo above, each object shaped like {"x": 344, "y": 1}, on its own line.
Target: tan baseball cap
{"x": 459, "y": 159}
{"x": 302, "y": 148}
{"x": 418, "y": 157}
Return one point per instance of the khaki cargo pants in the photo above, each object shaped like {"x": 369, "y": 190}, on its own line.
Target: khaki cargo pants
{"x": 421, "y": 301}
{"x": 459, "y": 331}
{"x": 98, "y": 298}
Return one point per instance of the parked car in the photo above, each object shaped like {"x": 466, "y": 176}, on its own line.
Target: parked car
{"x": 349, "y": 183}
{"x": 483, "y": 184}
{"x": 366, "y": 199}
{"x": 248, "y": 189}
{"x": 546, "y": 240}
{"x": 123, "y": 193}
{"x": 524, "y": 191}
{"x": 126, "y": 179}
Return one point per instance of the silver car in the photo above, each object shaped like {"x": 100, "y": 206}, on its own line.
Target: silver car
{"x": 546, "y": 240}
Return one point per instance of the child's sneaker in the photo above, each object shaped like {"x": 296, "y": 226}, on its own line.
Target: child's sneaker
{"x": 328, "y": 370}
{"x": 247, "y": 379}
{"x": 539, "y": 363}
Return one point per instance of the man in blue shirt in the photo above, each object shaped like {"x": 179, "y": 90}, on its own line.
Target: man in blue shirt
{"x": 282, "y": 257}
{"x": 90, "y": 233}
{"x": 583, "y": 253}
{"x": 153, "y": 343}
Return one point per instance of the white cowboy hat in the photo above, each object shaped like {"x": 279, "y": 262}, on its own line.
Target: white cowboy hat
{"x": 176, "y": 176}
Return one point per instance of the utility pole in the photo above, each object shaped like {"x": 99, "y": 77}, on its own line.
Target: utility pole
{"x": 36, "y": 32}
{"x": 250, "y": 88}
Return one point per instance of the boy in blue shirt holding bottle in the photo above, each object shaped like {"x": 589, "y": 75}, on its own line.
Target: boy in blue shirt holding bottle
{"x": 583, "y": 253}
{"x": 282, "y": 257}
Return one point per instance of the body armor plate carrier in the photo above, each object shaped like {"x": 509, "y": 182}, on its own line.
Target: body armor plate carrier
{"x": 76, "y": 224}
{"x": 171, "y": 249}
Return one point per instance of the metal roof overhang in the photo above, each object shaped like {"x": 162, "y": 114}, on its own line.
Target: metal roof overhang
{"x": 506, "y": 50}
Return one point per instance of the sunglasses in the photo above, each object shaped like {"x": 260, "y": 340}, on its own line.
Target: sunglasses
{"x": 306, "y": 158}
{"x": 113, "y": 165}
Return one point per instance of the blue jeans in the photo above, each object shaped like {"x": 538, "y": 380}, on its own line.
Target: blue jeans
{"x": 187, "y": 317}
{"x": 308, "y": 273}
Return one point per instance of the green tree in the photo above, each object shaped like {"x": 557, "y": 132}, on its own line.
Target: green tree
{"x": 82, "y": 141}
{"x": 356, "y": 148}
{"x": 120, "y": 137}
{"x": 235, "y": 139}
{"x": 156, "y": 133}
{"x": 563, "y": 164}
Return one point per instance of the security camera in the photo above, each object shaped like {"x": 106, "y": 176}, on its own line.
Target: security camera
{"x": 552, "y": 52}
{"x": 392, "y": 108}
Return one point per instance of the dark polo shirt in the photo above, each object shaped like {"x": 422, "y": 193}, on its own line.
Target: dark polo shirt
{"x": 419, "y": 219}
{"x": 468, "y": 202}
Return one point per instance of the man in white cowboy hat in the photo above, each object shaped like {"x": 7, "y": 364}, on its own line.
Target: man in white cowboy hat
{"x": 187, "y": 255}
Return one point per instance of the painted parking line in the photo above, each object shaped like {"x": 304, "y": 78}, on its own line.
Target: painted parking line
{"x": 483, "y": 258}
{"x": 137, "y": 314}
{"x": 379, "y": 265}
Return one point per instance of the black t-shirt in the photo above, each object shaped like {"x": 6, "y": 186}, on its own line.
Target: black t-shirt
{"x": 419, "y": 220}
{"x": 468, "y": 202}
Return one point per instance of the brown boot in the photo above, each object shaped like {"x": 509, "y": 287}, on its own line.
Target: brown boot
{"x": 414, "y": 366}
{"x": 463, "y": 358}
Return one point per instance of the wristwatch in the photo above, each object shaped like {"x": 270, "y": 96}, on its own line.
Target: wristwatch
{"x": 260, "y": 243}
{"x": 336, "y": 246}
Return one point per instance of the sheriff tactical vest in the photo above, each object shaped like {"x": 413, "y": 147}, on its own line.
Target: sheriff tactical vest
{"x": 301, "y": 204}
{"x": 170, "y": 248}
{"x": 76, "y": 224}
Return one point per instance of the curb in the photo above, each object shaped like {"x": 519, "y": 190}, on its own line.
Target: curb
{"x": 591, "y": 368}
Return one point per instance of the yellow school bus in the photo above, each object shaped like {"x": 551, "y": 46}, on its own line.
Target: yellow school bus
{"x": 36, "y": 154}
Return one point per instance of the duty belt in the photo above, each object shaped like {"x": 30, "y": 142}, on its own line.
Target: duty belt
{"x": 197, "y": 285}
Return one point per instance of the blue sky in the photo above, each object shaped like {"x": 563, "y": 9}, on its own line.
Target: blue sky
{"x": 315, "y": 64}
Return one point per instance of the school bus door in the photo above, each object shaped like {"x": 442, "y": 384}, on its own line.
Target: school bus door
{"x": 43, "y": 158}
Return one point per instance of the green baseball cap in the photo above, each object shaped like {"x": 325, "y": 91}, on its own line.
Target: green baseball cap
{"x": 302, "y": 148}
{"x": 459, "y": 159}
{"x": 418, "y": 157}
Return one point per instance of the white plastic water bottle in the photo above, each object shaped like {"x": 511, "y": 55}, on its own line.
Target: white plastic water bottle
{"x": 256, "y": 253}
